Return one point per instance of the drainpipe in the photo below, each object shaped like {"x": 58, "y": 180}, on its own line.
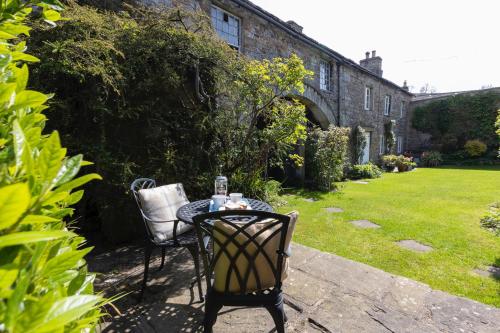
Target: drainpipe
{"x": 338, "y": 94}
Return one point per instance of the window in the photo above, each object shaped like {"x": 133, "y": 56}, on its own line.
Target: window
{"x": 402, "y": 110}
{"x": 387, "y": 105}
{"x": 382, "y": 145}
{"x": 227, "y": 26}
{"x": 325, "y": 71}
{"x": 368, "y": 98}
{"x": 400, "y": 144}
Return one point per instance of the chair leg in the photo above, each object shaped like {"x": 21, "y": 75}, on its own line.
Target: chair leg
{"x": 163, "y": 248}
{"x": 212, "y": 308}
{"x": 278, "y": 313}
{"x": 195, "y": 253}
{"x": 147, "y": 256}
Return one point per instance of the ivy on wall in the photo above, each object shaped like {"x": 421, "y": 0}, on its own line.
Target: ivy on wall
{"x": 453, "y": 121}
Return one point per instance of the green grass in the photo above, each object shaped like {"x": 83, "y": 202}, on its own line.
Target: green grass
{"x": 437, "y": 207}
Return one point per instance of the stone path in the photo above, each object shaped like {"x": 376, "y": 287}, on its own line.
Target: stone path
{"x": 364, "y": 224}
{"x": 324, "y": 293}
{"x": 334, "y": 210}
{"x": 410, "y": 244}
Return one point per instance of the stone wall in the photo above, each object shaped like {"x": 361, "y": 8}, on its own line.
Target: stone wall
{"x": 264, "y": 36}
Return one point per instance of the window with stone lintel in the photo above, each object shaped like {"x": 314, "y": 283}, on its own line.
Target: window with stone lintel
{"x": 368, "y": 98}
{"x": 325, "y": 74}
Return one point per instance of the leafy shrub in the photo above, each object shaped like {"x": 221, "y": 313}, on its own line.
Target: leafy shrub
{"x": 401, "y": 162}
{"x": 491, "y": 220}
{"x": 328, "y": 152}
{"x": 272, "y": 192}
{"x": 359, "y": 143}
{"x": 390, "y": 136}
{"x": 363, "y": 171}
{"x": 475, "y": 148}
{"x": 158, "y": 94}
{"x": 431, "y": 158}
{"x": 497, "y": 126}
{"x": 44, "y": 283}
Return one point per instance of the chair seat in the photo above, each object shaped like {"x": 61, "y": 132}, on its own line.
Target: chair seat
{"x": 188, "y": 238}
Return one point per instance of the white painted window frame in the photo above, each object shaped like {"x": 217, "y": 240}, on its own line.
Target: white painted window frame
{"x": 402, "y": 109}
{"x": 325, "y": 75}
{"x": 399, "y": 144}
{"x": 368, "y": 98}
{"x": 226, "y": 35}
{"x": 387, "y": 105}
{"x": 382, "y": 145}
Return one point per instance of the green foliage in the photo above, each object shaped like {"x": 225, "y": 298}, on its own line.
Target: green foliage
{"x": 359, "y": 143}
{"x": 328, "y": 150}
{"x": 44, "y": 283}
{"x": 398, "y": 161}
{"x": 491, "y": 220}
{"x": 431, "y": 159}
{"x": 158, "y": 94}
{"x": 390, "y": 136}
{"x": 475, "y": 148}
{"x": 453, "y": 121}
{"x": 497, "y": 126}
{"x": 364, "y": 171}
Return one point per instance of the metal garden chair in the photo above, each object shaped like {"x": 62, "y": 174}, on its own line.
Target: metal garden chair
{"x": 167, "y": 232}
{"x": 247, "y": 262}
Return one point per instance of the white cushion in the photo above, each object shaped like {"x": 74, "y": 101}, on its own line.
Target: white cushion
{"x": 161, "y": 204}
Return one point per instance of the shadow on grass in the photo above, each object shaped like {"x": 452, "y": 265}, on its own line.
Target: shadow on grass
{"x": 469, "y": 167}
{"x": 313, "y": 195}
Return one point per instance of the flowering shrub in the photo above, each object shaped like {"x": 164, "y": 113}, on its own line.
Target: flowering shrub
{"x": 369, "y": 170}
{"x": 475, "y": 148}
{"x": 491, "y": 220}
{"x": 401, "y": 162}
{"x": 431, "y": 158}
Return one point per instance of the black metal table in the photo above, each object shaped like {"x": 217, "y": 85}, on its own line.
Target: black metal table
{"x": 186, "y": 212}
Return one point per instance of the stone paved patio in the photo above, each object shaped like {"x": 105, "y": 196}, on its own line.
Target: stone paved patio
{"x": 324, "y": 293}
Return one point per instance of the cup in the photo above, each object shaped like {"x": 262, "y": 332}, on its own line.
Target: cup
{"x": 219, "y": 201}
{"x": 236, "y": 197}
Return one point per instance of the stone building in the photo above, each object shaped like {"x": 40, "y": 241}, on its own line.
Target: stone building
{"x": 342, "y": 92}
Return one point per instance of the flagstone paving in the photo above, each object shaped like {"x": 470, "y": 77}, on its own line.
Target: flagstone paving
{"x": 410, "y": 244}
{"x": 364, "y": 224}
{"x": 324, "y": 293}
{"x": 334, "y": 210}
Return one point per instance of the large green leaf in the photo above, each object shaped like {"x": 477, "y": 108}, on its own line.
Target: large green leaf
{"x": 14, "y": 200}
{"x": 78, "y": 182}
{"x": 50, "y": 160}
{"x": 63, "y": 262}
{"x": 30, "y": 98}
{"x": 22, "y": 76}
{"x": 69, "y": 169}
{"x": 7, "y": 93}
{"x": 38, "y": 219}
{"x": 26, "y": 237}
{"x": 65, "y": 311}
{"x": 8, "y": 275}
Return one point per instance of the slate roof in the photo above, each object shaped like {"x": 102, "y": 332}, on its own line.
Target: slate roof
{"x": 312, "y": 42}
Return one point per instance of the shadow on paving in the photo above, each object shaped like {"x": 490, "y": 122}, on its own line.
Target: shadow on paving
{"x": 120, "y": 272}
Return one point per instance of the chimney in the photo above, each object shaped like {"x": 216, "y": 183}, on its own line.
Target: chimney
{"x": 296, "y": 27}
{"x": 405, "y": 86}
{"x": 373, "y": 63}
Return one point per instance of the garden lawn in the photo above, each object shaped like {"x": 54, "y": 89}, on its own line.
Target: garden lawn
{"x": 437, "y": 207}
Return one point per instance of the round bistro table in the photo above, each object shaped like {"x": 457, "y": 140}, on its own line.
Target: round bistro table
{"x": 188, "y": 211}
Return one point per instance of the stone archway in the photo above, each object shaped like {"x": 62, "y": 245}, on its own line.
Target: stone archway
{"x": 319, "y": 107}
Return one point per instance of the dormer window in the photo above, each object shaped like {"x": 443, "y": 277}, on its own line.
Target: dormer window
{"x": 227, "y": 26}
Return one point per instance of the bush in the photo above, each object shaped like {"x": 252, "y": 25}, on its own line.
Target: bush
{"x": 158, "y": 94}
{"x": 369, "y": 170}
{"x": 431, "y": 159}
{"x": 401, "y": 162}
{"x": 475, "y": 148}
{"x": 491, "y": 220}
{"x": 44, "y": 283}
{"x": 327, "y": 152}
